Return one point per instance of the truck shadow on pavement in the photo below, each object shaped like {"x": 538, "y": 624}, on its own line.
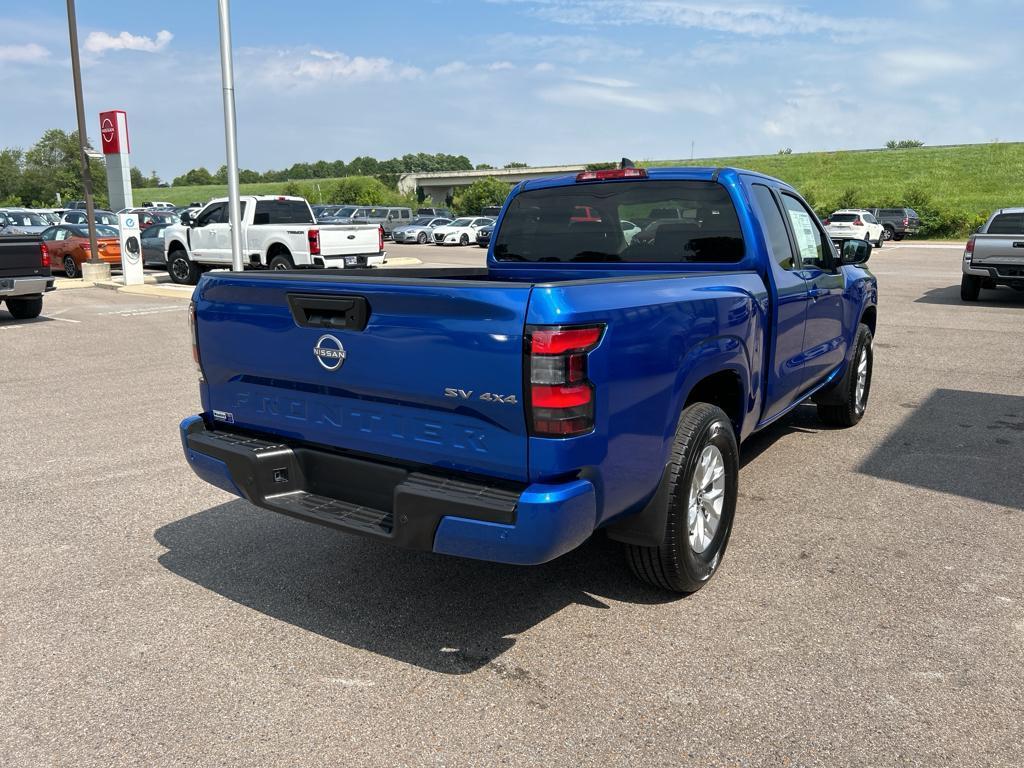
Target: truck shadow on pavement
{"x": 444, "y": 614}
{"x": 998, "y": 297}
{"x": 968, "y": 444}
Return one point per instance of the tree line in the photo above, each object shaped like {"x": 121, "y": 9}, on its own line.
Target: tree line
{"x": 51, "y": 167}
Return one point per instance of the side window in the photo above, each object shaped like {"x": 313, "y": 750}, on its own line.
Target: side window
{"x": 212, "y": 215}
{"x": 810, "y": 242}
{"x": 1007, "y": 224}
{"x": 62, "y": 234}
{"x": 869, "y": 218}
{"x": 775, "y": 228}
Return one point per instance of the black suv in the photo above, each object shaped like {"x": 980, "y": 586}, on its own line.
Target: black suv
{"x": 897, "y": 222}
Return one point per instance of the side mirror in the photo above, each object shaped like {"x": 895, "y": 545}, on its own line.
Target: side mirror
{"x": 853, "y": 251}
{"x": 186, "y": 218}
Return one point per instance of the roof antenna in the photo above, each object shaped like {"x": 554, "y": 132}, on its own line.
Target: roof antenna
{"x": 626, "y": 163}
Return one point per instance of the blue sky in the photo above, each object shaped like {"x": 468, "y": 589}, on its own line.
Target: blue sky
{"x": 539, "y": 81}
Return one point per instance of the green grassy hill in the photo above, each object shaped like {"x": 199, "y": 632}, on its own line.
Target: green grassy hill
{"x": 953, "y": 187}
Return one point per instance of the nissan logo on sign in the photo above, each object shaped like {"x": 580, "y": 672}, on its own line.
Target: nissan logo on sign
{"x": 114, "y": 132}
{"x": 329, "y": 352}
{"x": 107, "y": 130}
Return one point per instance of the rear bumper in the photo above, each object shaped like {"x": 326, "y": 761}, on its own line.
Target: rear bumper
{"x": 354, "y": 262}
{"x": 24, "y": 286}
{"x": 524, "y": 525}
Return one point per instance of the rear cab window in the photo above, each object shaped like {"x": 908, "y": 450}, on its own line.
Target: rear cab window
{"x": 679, "y": 221}
{"x": 282, "y": 212}
{"x": 1007, "y": 224}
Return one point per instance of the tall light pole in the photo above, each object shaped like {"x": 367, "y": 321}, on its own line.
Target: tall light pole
{"x": 227, "y": 75}
{"x": 76, "y": 74}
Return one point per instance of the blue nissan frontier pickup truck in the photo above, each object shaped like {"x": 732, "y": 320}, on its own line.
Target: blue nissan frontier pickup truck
{"x": 632, "y": 327}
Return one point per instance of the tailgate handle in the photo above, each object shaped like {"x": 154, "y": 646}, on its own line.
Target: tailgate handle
{"x": 311, "y": 311}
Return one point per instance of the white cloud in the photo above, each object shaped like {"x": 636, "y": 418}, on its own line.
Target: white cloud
{"x": 543, "y": 66}
{"x": 30, "y": 52}
{"x": 579, "y": 94}
{"x": 323, "y": 65}
{"x": 915, "y": 65}
{"x": 99, "y": 42}
{"x": 499, "y": 66}
{"x": 749, "y": 19}
{"x": 451, "y": 68}
{"x": 607, "y": 82}
{"x": 571, "y": 48}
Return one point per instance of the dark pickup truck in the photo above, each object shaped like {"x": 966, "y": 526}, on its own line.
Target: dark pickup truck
{"x": 25, "y": 274}
{"x": 897, "y": 223}
{"x": 579, "y": 382}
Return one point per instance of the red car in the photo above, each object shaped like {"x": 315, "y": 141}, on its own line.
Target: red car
{"x": 68, "y": 246}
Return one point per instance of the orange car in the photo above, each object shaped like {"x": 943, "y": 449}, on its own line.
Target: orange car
{"x": 68, "y": 245}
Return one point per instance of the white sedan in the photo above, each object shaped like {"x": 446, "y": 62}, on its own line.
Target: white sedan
{"x": 629, "y": 230}
{"x": 855, "y": 223}
{"x": 461, "y": 231}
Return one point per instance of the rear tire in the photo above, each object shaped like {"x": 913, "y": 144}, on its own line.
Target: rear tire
{"x": 887, "y": 233}
{"x": 71, "y": 269}
{"x": 844, "y": 404}
{"x": 881, "y": 239}
{"x": 970, "y": 287}
{"x": 182, "y": 269}
{"x": 898, "y": 236}
{"x": 703, "y": 476}
{"x": 281, "y": 261}
{"x": 25, "y": 309}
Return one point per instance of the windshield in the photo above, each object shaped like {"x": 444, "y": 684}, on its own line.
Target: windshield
{"x": 460, "y": 223}
{"x": 103, "y": 231}
{"x": 422, "y": 221}
{"x": 24, "y": 219}
{"x": 682, "y": 221}
{"x": 842, "y": 217}
{"x": 106, "y": 218}
{"x": 345, "y": 212}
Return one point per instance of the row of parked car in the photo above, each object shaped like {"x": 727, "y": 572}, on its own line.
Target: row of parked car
{"x": 876, "y": 225}
{"x": 403, "y": 225}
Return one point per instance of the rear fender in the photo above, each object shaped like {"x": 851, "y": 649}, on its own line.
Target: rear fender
{"x": 647, "y": 526}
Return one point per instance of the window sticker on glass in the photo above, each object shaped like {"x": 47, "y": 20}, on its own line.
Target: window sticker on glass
{"x": 806, "y": 238}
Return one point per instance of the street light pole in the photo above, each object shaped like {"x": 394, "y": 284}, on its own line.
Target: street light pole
{"x": 76, "y": 74}
{"x": 227, "y": 74}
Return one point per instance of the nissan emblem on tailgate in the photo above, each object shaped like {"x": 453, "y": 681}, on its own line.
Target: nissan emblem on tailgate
{"x": 329, "y": 352}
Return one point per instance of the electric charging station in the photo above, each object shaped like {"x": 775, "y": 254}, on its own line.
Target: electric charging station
{"x": 131, "y": 249}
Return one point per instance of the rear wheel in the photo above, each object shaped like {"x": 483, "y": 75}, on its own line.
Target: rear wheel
{"x": 844, "y": 404}
{"x": 970, "y": 287}
{"x": 70, "y": 268}
{"x": 703, "y": 476}
{"x": 182, "y": 269}
{"x": 421, "y": 238}
{"x": 464, "y": 240}
{"x": 881, "y": 239}
{"x": 898, "y": 236}
{"x": 25, "y": 309}
{"x": 281, "y": 261}
{"x": 887, "y": 232}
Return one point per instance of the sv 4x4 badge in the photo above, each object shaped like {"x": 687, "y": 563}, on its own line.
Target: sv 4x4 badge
{"x": 487, "y": 397}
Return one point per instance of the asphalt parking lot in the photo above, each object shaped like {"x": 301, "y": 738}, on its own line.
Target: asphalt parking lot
{"x": 869, "y": 612}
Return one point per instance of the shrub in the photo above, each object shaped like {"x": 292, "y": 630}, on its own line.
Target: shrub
{"x": 903, "y": 143}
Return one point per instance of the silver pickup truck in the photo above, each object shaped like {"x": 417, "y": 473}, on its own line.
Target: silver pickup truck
{"x": 995, "y": 254}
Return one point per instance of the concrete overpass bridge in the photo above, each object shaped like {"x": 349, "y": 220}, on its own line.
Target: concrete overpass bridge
{"x": 441, "y": 185}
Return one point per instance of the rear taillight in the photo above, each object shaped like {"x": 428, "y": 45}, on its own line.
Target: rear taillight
{"x": 561, "y": 396}
{"x": 906, "y": 222}
{"x": 44, "y": 254}
{"x": 314, "y": 242}
{"x": 857, "y": 222}
{"x": 969, "y": 249}
{"x": 193, "y": 331}
{"x": 380, "y": 238}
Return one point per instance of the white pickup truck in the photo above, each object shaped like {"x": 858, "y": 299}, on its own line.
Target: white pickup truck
{"x": 277, "y": 233}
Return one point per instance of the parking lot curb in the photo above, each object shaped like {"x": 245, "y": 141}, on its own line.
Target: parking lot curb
{"x": 402, "y": 261}
{"x": 70, "y": 284}
{"x": 167, "y": 291}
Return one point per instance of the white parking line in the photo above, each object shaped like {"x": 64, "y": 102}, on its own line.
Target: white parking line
{"x": 62, "y": 319}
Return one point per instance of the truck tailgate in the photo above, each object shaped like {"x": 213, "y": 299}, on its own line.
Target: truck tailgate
{"x": 348, "y": 239}
{"x": 998, "y": 249}
{"x": 407, "y": 386}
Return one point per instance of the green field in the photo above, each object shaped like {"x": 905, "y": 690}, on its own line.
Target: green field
{"x": 186, "y": 195}
{"x": 975, "y": 178}
{"x": 953, "y": 188}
